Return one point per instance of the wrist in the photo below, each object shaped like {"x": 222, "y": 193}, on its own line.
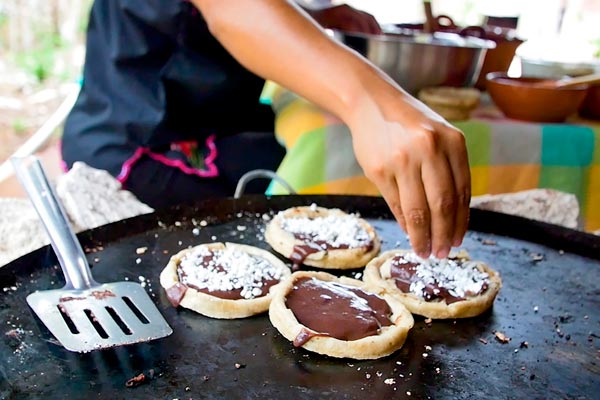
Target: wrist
{"x": 369, "y": 88}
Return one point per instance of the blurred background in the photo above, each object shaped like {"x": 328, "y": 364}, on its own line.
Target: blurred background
{"x": 42, "y": 45}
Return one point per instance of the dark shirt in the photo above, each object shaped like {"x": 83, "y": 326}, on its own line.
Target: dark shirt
{"x": 153, "y": 76}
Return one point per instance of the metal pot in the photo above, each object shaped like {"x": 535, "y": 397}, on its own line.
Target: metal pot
{"x": 422, "y": 60}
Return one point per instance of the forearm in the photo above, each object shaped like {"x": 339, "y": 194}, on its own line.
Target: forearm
{"x": 274, "y": 40}
{"x": 416, "y": 159}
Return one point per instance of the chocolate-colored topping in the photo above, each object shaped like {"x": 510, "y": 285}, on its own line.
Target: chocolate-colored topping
{"x": 70, "y": 298}
{"x": 405, "y": 275}
{"x": 236, "y": 294}
{"x": 102, "y": 294}
{"x": 97, "y": 294}
{"x": 300, "y": 252}
{"x": 319, "y": 245}
{"x": 216, "y": 281}
{"x": 175, "y": 293}
{"x": 325, "y": 233}
{"x": 304, "y": 336}
{"x": 340, "y": 311}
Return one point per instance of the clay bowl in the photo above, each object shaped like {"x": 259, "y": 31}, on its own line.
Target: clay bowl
{"x": 590, "y": 108}
{"x": 499, "y": 58}
{"x": 525, "y": 99}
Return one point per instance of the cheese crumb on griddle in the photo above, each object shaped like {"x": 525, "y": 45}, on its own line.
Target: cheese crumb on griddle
{"x": 229, "y": 269}
{"x": 336, "y": 231}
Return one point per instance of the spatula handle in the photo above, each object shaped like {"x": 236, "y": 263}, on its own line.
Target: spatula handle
{"x": 64, "y": 242}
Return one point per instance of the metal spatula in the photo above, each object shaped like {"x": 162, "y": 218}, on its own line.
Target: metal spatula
{"x": 84, "y": 315}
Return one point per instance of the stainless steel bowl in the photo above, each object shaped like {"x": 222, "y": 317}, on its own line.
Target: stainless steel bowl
{"x": 422, "y": 60}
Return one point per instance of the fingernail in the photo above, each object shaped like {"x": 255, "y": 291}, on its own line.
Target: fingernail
{"x": 457, "y": 242}
{"x": 442, "y": 253}
{"x": 425, "y": 253}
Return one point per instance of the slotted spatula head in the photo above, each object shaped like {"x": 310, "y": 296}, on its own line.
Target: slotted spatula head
{"x": 84, "y": 315}
{"x": 103, "y": 316}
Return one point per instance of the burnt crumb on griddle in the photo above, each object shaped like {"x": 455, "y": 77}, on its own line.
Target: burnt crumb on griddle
{"x": 14, "y": 337}
{"x": 559, "y": 333}
{"x": 488, "y": 242}
{"x": 536, "y": 257}
{"x": 565, "y": 319}
{"x": 142, "y": 378}
{"x": 239, "y": 366}
{"x": 501, "y": 337}
{"x": 483, "y": 340}
{"x": 136, "y": 381}
{"x": 95, "y": 249}
{"x": 205, "y": 378}
{"x": 524, "y": 345}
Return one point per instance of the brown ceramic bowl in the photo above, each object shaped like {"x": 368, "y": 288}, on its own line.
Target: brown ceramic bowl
{"x": 520, "y": 98}
{"x": 590, "y": 108}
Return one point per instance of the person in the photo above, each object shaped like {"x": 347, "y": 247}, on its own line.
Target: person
{"x": 169, "y": 106}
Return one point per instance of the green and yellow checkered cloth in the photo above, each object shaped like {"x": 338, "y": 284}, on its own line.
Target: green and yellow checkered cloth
{"x": 505, "y": 155}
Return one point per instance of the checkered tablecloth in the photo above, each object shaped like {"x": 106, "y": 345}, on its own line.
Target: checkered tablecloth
{"x": 505, "y": 155}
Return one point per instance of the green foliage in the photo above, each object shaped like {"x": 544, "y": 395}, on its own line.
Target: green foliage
{"x": 596, "y": 43}
{"x": 19, "y": 126}
{"x": 39, "y": 61}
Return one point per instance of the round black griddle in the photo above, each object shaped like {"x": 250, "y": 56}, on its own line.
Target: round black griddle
{"x": 549, "y": 307}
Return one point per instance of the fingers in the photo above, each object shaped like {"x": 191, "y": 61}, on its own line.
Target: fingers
{"x": 459, "y": 165}
{"x": 441, "y": 199}
{"x": 415, "y": 210}
{"x": 389, "y": 190}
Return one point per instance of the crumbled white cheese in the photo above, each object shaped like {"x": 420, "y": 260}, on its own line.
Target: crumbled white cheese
{"x": 229, "y": 269}
{"x": 460, "y": 278}
{"x": 336, "y": 231}
{"x": 141, "y": 250}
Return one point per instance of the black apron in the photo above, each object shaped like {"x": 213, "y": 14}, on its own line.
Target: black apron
{"x": 154, "y": 76}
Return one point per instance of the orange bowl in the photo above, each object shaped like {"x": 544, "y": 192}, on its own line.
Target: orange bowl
{"x": 590, "y": 108}
{"x": 520, "y": 98}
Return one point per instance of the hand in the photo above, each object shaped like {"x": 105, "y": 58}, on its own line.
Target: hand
{"x": 417, "y": 160}
{"x": 419, "y": 163}
{"x": 346, "y": 18}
